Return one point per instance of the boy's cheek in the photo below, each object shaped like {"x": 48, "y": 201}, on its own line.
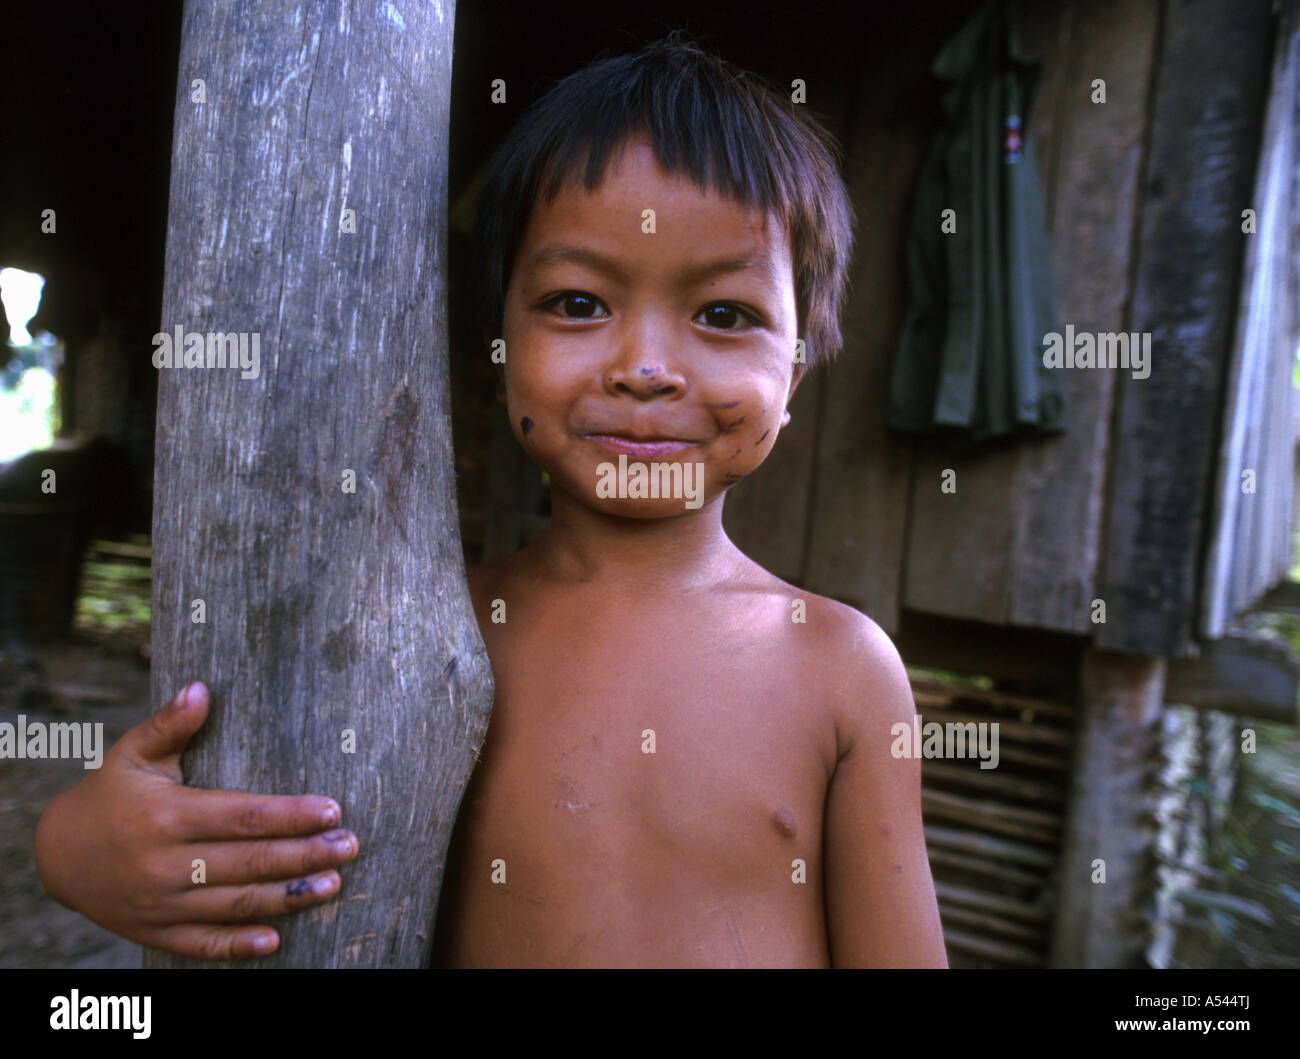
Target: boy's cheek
{"x": 743, "y": 450}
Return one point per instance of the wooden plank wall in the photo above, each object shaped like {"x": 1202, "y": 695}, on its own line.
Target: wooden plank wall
{"x": 1251, "y": 534}
{"x": 827, "y": 509}
{"x": 1204, "y": 142}
{"x": 1115, "y": 508}
{"x": 1096, "y": 152}
{"x": 1019, "y": 541}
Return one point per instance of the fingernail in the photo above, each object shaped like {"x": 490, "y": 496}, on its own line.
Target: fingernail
{"x": 330, "y": 814}
{"x": 264, "y": 942}
{"x": 323, "y": 885}
{"x": 191, "y": 695}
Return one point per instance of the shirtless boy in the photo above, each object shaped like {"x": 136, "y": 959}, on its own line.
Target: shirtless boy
{"x": 688, "y": 762}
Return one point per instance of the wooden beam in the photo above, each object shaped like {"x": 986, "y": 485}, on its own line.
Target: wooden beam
{"x": 1285, "y": 597}
{"x": 1002, "y": 849}
{"x": 978, "y": 866}
{"x": 986, "y": 815}
{"x": 993, "y": 951}
{"x": 1252, "y": 676}
{"x": 992, "y": 924}
{"x": 1007, "y": 906}
{"x": 974, "y": 776}
{"x": 1010, "y": 730}
{"x": 1110, "y": 825}
{"x": 1045, "y": 660}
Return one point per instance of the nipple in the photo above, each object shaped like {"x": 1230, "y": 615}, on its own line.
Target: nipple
{"x": 783, "y": 821}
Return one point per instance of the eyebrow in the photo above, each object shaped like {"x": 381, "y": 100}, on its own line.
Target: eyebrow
{"x": 557, "y": 252}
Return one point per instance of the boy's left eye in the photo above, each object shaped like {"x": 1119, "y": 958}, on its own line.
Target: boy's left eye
{"x": 724, "y": 315}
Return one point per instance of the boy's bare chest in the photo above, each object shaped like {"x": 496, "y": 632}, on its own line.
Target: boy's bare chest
{"x": 680, "y": 775}
{"x": 680, "y": 740}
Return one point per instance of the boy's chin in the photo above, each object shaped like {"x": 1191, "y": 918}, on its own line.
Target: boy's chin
{"x": 634, "y": 497}
{"x": 645, "y": 509}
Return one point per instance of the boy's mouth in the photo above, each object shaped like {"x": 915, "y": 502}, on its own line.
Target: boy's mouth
{"x": 645, "y": 448}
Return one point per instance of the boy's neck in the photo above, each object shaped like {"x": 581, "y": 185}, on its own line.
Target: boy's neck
{"x": 677, "y": 553}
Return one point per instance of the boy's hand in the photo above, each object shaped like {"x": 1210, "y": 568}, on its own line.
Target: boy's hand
{"x": 118, "y": 847}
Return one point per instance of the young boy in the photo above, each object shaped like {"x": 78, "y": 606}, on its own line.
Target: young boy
{"x": 689, "y": 760}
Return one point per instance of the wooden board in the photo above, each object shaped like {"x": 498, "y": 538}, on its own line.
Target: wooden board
{"x": 1110, "y": 815}
{"x": 1019, "y": 541}
{"x": 859, "y": 501}
{"x": 1250, "y": 676}
{"x": 1213, "y": 68}
{"x": 1250, "y": 531}
{"x": 1058, "y": 494}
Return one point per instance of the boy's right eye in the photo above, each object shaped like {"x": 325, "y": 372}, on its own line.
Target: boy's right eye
{"x": 583, "y": 306}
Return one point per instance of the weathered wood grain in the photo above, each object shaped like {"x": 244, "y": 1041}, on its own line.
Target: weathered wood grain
{"x": 1250, "y": 542}
{"x": 1204, "y": 140}
{"x": 1110, "y": 814}
{"x": 1247, "y": 675}
{"x": 1058, "y": 493}
{"x": 326, "y": 612}
{"x": 859, "y": 501}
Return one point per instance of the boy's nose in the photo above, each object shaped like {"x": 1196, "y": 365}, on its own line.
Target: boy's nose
{"x": 644, "y": 378}
{"x": 639, "y": 367}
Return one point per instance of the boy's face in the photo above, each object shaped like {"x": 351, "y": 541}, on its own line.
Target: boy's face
{"x": 613, "y": 346}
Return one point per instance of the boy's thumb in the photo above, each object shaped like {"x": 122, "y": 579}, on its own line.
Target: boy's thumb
{"x": 165, "y": 734}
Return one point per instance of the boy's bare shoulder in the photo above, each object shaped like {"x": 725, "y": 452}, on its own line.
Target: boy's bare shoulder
{"x": 836, "y": 630}
{"x": 849, "y": 659}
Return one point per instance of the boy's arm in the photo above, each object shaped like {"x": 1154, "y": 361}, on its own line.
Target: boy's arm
{"x": 119, "y": 847}
{"x": 881, "y": 909}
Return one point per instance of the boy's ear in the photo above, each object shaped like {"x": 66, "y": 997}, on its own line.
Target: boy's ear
{"x": 795, "y": 376}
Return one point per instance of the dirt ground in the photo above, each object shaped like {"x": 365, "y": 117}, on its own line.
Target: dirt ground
{"x": 36, "y": 931}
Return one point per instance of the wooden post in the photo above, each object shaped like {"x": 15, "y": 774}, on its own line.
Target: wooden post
{"x": 1110, "y": 826}
{"x": 307, "y": 563}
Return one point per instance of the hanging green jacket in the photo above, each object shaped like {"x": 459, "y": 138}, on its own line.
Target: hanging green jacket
{"x": 969, "y": 361}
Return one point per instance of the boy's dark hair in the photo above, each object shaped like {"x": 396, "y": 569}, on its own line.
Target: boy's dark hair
{"x": 718, "y": 125}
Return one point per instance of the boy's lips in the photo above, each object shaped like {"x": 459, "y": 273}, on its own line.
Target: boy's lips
{"x": 643, "y": 447}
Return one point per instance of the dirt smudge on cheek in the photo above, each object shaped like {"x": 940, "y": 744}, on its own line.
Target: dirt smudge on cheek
{"x": 525, "y": 425}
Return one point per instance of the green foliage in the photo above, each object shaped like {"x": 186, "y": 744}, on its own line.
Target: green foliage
{"x": 944, "y": 676}
{"x": 115, "y": 597}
